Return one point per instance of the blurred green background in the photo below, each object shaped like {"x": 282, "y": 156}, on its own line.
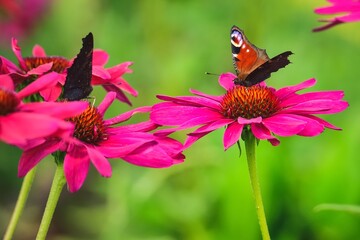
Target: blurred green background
{"x": 172, "y": 43}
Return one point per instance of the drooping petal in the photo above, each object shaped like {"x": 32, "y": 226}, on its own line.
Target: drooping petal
{"x": 76, "y": 166}
{"x": 33, "y": 156}
{"x": 100, "y": 57}
{"x": 261, "y": 132}
{"x": 119, "y": 94}
{"x": 99, "y": 161}
{"x": 217, "y": 99}
{"x": 17, "y": 51}
{"x": 232, "y": 134}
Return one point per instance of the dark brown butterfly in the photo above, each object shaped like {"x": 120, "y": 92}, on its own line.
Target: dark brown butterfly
{"x": 252, "y": 64}
{"x": 78, "y": 79}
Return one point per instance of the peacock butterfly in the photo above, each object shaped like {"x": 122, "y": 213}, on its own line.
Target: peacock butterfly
{"x": 252, "y": 64}
{"x": 78, "y": 79}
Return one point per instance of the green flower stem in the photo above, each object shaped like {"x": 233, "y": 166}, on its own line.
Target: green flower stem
{"x": 20, "y": 203}
{"x": 55, "y": 191}
{"x": 250, "y": 154}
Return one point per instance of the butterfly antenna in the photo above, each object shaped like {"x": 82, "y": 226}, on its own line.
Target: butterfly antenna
{"x": 214, "y": 74}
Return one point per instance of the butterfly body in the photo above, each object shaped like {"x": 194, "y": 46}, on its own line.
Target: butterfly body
{"x": 78, "y": 79}
{"x": 252, "y": 64}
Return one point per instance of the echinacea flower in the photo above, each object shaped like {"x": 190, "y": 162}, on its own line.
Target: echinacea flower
{"x": 22, "y": 122}
{"x": 96, "y": 139}
{"x": 267, "y": 111}
{"x": 39, "y": 64}
{"x": 350, "y": 7}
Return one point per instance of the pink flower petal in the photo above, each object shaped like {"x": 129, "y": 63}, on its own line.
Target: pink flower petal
{"x": 45, "y": 81}
{"x": 100, "y": 162}
{"x": 119, "y": 94}
{"x": 213, "y": 126}
{"x": 127, "y": 115}
{"x": 215, "y": 99}
{"x": 261, "y": 132}
{"x": 38, "y": 51}
{"x": 106, "y": 102}
{"x": 56, "y": 109}
{"x": 17, "y": 51}
{"x": 232, "y": 134}
{"x": 17, "y": 128}
{"x": 100, "y": 57}
{"x": 120, "y": 69}
{"x": 226, "y": 80}
{"x": 138, "y": 127}
{"x": 284, "y": 125}
{"x": 33, "y": 156}
{"x": 6, "y": 82}
{"x": 51, "y": 94}
{"x": 190, "y": 101}
{"x": 76, "y": 166}
{"x": 286, "y": 91}
{"x": 244, "y": 121}
{"x": 190, "y": 140}
{"x": 102, "y": 75}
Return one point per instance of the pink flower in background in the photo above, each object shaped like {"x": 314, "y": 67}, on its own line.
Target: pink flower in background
{"x": 22, "y": 122}
{"x": 351, "y": 8}
{"x": 38, "y": 64}
{"x": 266, "y": 110}
{"x": 96, "y": 139}
{"x": 18, "y": 18}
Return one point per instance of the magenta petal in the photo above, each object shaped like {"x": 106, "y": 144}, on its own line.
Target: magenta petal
{"x": 284, "y": 125}
{"x": 244, "y": 121}
{"x": 17, "y": 128}
{"x": 191, "y": 101}
{"x": 323, "y": 122}
{"x": 137, "y": 127}
{"x": 213, "y": 126}
{"x": 125, "y": 86}
{"x": 120, "y": 69}
{"x": 226, "y": 80}
{"x": 102, "y": 74}
{"x": 261, "y": 132}
{"x": 190, "y": 140}
{"x": 33, "y": 156}
{"x": 286, "y": 91}
{"x": 119, "y": 93}
{"x": 38, "y": 51}
{"x": 127, "y": 115}
{"x": 99, "y": 161}
{"x": 45, "y": 81}
{"x": 76, "y": 166}
{"x": 232, "y": 134}
{"x": 216, "y": 99}
{"x": 100, "y": 57}
{"x": 106, "y": 102}
{"x": 56, "y": 109}
{"x": 326, "y": 95}
{"x": 51, "y": 94}
{"x": 17, "y": 51}
{"x": 6, "y": 82}
{"x": 43, "y": 68}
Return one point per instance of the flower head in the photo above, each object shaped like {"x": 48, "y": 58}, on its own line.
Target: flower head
{"x": 96, "y": 139}
{"x": 23, "y": 122}
{"x": 265, "y": 110}
{"x": 351, "y": 7}
{"x": 40, "y": 64}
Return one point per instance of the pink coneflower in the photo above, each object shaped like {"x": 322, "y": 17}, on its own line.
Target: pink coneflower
{"x": 96, "y": 139}
{"x": 39, "y": 63}
{"x": 350, "y": 7}
{"x": 266, "y": 110}
{"x": 22, "y": 122}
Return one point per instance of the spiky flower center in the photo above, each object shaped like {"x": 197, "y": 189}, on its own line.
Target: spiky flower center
{"x": 8, "y": 102}
{"x": 249, "y": 102}
{"x": 89, "y": 126}
{"x": 59, "y": 63}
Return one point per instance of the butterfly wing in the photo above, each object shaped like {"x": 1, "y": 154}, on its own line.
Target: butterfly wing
{"x": 78, "y": 80}
{"x": 246, "y": 56}
{"x": 264, "y": 71}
